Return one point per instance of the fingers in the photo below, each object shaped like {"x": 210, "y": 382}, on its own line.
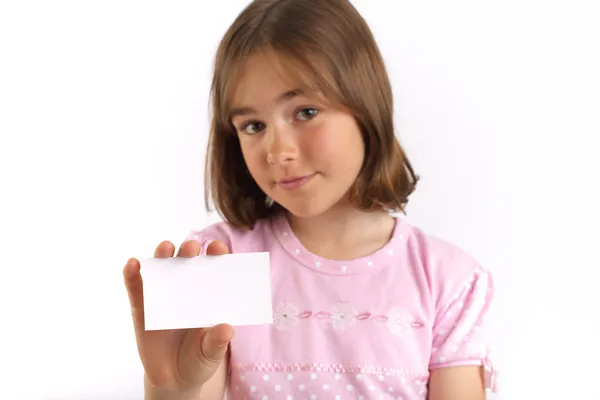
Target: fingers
{"x": 203, "y": 351}
{"x": 135, "y": 286}
{"x": 214, "y": 344}
{"x": 135, "y": 292}
{"x": 191, "y": 248}
{"x": 164, "y": 250}
{"x": 217, "y": 248}
{"x": 133, "y": 280}
{"x": 221, "y": 334}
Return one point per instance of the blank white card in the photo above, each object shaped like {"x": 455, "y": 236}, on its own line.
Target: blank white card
{"x": 204, "y": 291}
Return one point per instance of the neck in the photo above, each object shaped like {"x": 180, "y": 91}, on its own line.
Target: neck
{"x": 343, "y": 232}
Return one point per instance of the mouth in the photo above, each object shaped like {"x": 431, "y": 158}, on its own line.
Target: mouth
{"x": 295, "y": 182}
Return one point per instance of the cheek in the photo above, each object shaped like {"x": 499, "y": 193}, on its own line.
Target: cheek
{"x": 335, "y": 150}
{"x": 253, "y": 156}
{"x": 319, "y": 148}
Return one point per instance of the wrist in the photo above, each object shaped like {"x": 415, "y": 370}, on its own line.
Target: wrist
{"x": 157, "y": 393}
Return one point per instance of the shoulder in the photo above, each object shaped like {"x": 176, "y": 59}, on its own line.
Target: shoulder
{"x": 236, "y": 239}
{"x": 437, "y": 253}
{"x": 448, "y": 270}
{"x": 462, "y": 294}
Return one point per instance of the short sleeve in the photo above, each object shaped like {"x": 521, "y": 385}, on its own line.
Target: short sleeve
{"x": 461, "y": 336}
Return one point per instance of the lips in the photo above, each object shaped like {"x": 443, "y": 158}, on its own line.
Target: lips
{"x": 292, "y": 179}
{"x": 294, "y": 182}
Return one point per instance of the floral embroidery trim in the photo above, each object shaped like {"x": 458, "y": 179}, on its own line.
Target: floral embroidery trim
{"x": 319, "y": 367}
{"x": 343, "y": 316}
{"x": 359, "y": 317}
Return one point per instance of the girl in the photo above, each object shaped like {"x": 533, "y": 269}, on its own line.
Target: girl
{"x": 303, "y": 163}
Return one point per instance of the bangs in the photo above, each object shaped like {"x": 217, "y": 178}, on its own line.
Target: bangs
{"x": 298, "y": 71}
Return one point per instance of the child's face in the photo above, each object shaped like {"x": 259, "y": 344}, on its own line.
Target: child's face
{"x": 303, "y": 155}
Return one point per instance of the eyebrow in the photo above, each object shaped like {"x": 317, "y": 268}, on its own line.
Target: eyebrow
{"x": 285, "y": 96}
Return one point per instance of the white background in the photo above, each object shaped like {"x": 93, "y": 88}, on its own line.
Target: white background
{"x": 103, "y": 124}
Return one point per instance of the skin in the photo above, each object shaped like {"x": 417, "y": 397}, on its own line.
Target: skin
{"x": 283, "y": 133}
{"x": 181, "y": 364}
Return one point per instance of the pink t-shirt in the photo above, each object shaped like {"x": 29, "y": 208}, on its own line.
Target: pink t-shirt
{"x": 368, "y": 328}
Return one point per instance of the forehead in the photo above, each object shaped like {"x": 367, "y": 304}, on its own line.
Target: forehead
{"x": 264, "y": 77}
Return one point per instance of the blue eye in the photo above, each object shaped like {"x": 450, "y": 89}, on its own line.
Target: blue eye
{"x": 306, "y": 114}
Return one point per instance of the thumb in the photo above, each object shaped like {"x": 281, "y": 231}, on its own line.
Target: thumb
{"x": 217, "y": 248}
{"x": 202, "y": 352}
{"x": 215, "y": 343}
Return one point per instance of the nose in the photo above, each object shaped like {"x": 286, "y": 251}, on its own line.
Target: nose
{"x": 281, "y": 147}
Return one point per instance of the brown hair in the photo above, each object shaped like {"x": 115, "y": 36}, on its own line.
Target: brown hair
{"x": 325, "y": 43}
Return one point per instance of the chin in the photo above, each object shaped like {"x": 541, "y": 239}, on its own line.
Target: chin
{"x": 306, "y": 209}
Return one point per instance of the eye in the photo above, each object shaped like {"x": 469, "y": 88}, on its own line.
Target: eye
{"x": 253, "y": 127}
{"x": 306, "y": 114}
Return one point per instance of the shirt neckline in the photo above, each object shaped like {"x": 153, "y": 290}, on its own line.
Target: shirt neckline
{"x": 374, "y": 261}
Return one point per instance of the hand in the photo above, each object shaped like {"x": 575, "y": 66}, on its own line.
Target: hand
{"x": 181, "y": 360}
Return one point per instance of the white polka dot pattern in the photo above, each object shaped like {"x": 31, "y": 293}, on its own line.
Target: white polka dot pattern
{"x": 362, "y": 327}
{"x": 326, "y": 385}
